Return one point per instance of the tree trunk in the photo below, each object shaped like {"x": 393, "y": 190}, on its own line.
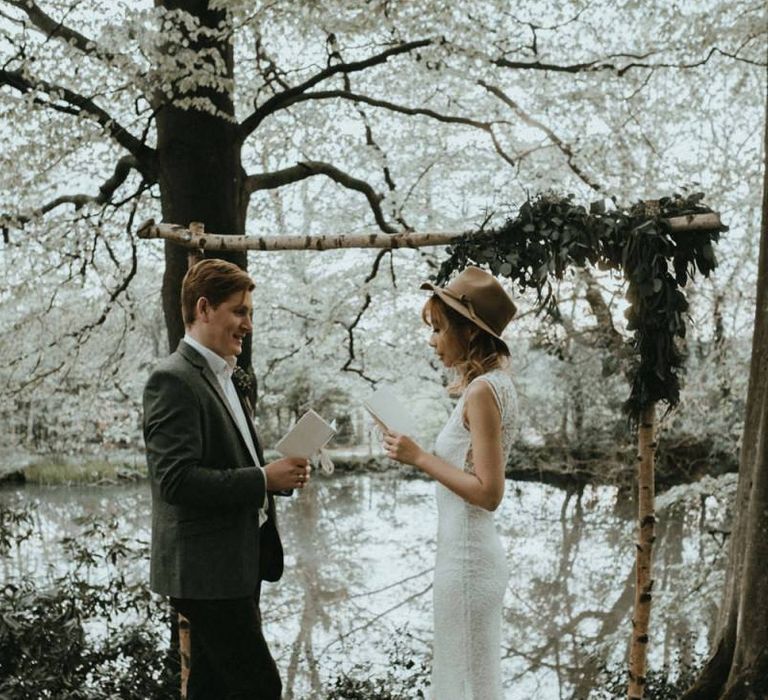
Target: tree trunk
{"x": 200, "y": 174}
{"x": 748, "y": 675}
{"x": 201, "y": 179}
{"x": 641, "y": 616}
{"x": 738, "y": 667}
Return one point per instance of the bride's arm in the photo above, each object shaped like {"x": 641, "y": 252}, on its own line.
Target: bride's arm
{"x": 485, "y": 487}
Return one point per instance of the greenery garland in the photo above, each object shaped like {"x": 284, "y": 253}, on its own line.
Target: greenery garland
{"x": 551, "y": 234}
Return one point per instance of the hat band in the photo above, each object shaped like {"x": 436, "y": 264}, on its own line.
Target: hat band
{"x": 465, "y": 301}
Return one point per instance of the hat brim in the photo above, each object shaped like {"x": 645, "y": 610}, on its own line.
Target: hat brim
{"x": 463, "y": 310}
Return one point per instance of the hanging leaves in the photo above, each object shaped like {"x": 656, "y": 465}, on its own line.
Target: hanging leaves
{"x": 552, "y": 233}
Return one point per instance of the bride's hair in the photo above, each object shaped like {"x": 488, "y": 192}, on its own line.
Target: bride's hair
{"x": 481, "y": 352}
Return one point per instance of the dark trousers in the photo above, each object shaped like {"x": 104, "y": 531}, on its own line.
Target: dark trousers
{"x": 229, "y": 657}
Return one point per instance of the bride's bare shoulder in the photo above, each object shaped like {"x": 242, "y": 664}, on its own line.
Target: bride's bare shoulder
{"x": 479, "y": 390}
{"x": 480, "y": 399}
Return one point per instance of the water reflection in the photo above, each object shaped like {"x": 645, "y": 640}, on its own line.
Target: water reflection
{"x": 359, "y": 555}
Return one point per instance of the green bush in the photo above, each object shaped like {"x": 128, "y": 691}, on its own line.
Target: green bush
{"x": 83, "y": 637}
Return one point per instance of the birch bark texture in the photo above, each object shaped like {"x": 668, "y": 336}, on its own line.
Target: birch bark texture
{"x": 646, "y": 534}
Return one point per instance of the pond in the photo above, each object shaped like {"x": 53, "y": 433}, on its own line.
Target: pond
{"x": 359, "y": 556}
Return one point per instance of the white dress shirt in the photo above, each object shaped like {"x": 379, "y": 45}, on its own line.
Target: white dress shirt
{"x": 222, "y": 369}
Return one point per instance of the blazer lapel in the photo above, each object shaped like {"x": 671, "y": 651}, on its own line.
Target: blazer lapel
{"x": 205, "y": 369}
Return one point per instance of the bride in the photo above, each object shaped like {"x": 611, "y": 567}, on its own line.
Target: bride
{"x": 467, "y": 319}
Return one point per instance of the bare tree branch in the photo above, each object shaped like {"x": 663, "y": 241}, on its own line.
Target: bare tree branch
{"x": 607, "y": 335}
{"x": 375, "y": 618}
{"x": 55, "y": 29}
{"x": 347, "y": 366}
{"x": 370, "y": 140}
{"x": 411, "y": 111}
{"x": 620, "y": 70}
{"x": 106, "y": 191}
{"x": 79, "y": 105}
{"x": 271, "y": 73}
{"x": 80, "y": 335}
{"x": 282, "y": 358}
{"x": 551, "y": 135}
{"x": 305, "y": 169}
{"x": 410, "y": 577}
{"x": 391, "y": 106}
{"x": 285, "y": 98}
{"x": 376, "y": 263}
{"x": 351, "y": 328}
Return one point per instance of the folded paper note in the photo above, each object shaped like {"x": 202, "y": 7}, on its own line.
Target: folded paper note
{"x": 307, "y": 437}
{"x": 388, "y": 411}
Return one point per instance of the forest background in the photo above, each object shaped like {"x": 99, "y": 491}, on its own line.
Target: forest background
{"x": 356, "y": 117}
{"x": 497, "y": 107}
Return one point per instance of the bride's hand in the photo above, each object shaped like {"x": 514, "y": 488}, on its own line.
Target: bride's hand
{"x": 402, "y": 448}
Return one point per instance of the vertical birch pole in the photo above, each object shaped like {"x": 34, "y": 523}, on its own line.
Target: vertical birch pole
{"x": 194, "y": 255}
{"x": 641, "y": 615}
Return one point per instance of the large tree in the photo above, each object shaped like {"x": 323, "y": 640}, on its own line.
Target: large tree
{"x": 216, "y": 108}
{"x": 738, "y": 666}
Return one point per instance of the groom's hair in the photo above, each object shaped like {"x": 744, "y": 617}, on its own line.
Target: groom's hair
{"x": 214, "y": 279}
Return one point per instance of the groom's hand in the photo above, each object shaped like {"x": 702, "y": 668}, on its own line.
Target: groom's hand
{"x": 287, "y": 473}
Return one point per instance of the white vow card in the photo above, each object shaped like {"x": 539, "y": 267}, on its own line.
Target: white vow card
{"x": 387, "y": 410}
{"x": 306, "y": 438}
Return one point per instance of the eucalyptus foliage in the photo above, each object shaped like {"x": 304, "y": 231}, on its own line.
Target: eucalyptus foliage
{"x": 551, "y": 234}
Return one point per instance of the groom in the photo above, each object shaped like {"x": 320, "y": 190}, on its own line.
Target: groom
{"x": 214, "y": 534}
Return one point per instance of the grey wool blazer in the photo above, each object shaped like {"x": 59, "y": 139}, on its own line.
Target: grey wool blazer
{"x": 206, "y": 491}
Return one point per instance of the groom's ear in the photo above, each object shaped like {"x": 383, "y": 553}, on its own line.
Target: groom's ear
{"x": 202, "y": 309}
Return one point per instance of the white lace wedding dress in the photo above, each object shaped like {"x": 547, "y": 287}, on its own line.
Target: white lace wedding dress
{"x": 471, "y": 571}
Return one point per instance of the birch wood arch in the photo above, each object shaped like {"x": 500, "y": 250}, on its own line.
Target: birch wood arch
{"x": 658, "y": 245}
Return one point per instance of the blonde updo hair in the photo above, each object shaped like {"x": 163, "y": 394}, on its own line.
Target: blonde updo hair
{"x": 481, "y": 351}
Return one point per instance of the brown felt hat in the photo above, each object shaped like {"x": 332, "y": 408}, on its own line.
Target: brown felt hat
{"x": 478, "y": 296}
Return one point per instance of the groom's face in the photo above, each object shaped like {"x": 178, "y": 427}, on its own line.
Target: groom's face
{"x": 224, "y": 327}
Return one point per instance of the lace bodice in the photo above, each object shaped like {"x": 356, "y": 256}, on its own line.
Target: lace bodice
{"x": 454, "y": 444}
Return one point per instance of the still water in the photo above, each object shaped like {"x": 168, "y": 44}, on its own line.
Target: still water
{"x": 359, "y": 556}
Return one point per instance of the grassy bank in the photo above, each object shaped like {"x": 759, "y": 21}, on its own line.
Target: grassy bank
{"x": 73, "y": 470}
{"x": 92, "y": 471}
{"x": 62, "y": 470}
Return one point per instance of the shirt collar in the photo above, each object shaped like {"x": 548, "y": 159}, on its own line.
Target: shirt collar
{"x": 219, "y": 365}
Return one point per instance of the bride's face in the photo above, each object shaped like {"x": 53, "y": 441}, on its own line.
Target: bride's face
{"x": 445, "y": 343}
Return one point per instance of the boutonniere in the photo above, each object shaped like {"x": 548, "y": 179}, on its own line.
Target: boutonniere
{"x": 246, "y": 386}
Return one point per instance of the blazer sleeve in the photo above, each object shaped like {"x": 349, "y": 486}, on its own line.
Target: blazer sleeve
{"x": 172, "y": 434}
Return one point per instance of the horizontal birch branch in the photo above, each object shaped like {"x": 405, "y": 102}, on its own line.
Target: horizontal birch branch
{"x": 195, "y": 237}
